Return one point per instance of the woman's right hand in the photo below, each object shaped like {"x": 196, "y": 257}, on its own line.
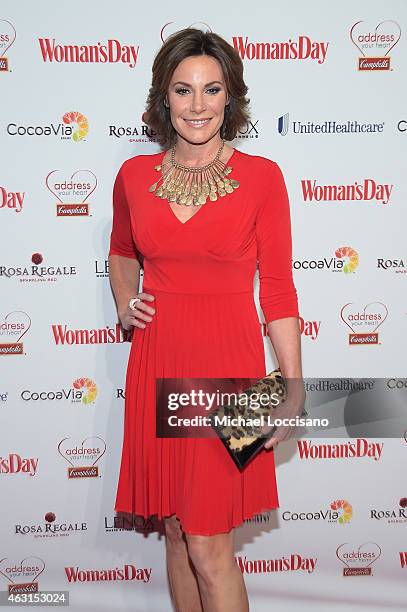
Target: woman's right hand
{"x": 135, "y": 318}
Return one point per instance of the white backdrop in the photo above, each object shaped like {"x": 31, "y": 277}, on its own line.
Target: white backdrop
{"x": 331, "y": 127}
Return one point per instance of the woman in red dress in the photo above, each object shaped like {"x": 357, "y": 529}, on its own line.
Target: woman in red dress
{"x": 196, "y": 316}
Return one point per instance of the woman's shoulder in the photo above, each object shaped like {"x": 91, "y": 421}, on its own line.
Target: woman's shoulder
{"x": 258, "y": 163}
{"x": 139, "y": 162}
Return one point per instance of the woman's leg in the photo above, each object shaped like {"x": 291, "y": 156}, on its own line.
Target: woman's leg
{"x": 221, "y": 583}
{"x": 181, "y": 573}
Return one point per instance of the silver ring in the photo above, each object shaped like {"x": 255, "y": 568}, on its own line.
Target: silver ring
{"x": 132, "y": 303}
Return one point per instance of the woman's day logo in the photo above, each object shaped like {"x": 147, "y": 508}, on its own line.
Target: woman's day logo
{"x": 375, "y": 44}
{"x": 72, "y": 192}
{"x": 369, "y": 318}
{"x": 7, "y": 38}
{"x": 22, "y": 575}
{"x": 13, "y": 327}
{"x": 83, "y": 456}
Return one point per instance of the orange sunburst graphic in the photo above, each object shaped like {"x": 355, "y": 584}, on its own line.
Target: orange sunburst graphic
{"x": 82, "y": 125}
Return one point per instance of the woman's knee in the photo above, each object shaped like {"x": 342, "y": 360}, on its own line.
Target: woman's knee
{"x": 211, "y": 555}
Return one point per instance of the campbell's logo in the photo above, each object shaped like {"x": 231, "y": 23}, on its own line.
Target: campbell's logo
{"x": 300, "y": 48}
{"x": 364, "y": 322}
{"x": 367, "y": 190}
{"x": 14, "y": 463}
{"x": 83, "y": 390}
{"x": 11, "y": 200}
{"x": 306, "y": 128}
{"x": 135, "y": 133}
{"x": 171, "y": 27}
{"x": 375, "y": 44}
{"x": 22, "y": 574}
{"x": 72, "y": 192}
{"x": 13, "y": 328}
{"x": 398, "y": 265}
{"x": 73, "y": 126}
{"x": 7, "y": 37}
{"x": 38, "y": 272}
{"x": 82, "y": 456}
{"x": 358, "y": 449}
{"x": 111, "y": 52}
{"x": 358, "y": 561}
{"x": 128, "y": 572}
{"x": 106, "y": 335}
{"x": 403, "y": 559}
{"x": 292, "y": 563}
{"x": 340, "y": 512}
{"x": 346, "y": 260}
{"x": 50, "y": 527}
{"x": 393, "y": 516}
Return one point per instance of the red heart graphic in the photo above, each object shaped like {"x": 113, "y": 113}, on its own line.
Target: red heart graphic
{"x": 364, "y": 310}
{"x": 376, "y": 29}
{"x": 82, "y": 443}
{"x": 24, "y": 313}
{"x": 12, "y": 42}
{"x": 2, "y": 564}
{"x": 76, "y": 172}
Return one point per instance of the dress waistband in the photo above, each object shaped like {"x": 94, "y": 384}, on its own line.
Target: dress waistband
{"x": 147, "y": 289}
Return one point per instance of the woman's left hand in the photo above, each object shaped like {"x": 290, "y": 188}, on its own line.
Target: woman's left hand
{"x": 291, "y": 408}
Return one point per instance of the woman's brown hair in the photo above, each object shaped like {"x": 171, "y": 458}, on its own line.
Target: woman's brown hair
{"x": 183, "y": 44}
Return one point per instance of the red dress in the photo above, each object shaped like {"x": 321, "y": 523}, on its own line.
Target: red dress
{"x": 205, "y": 325}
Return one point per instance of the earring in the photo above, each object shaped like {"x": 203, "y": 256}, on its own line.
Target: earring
{"x": 166, "y": 103}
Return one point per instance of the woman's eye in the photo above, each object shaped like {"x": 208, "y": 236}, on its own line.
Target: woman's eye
{"x": 180, "y": 90}
{"x": 214, "y": 89}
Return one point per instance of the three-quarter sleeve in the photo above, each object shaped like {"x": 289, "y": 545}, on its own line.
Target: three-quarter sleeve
{"x": 277, "y": 293}
{"x": 121, "y": 239}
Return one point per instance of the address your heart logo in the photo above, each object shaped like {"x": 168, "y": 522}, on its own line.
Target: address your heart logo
{"x": 21, "y": 572}
{"x": 7, "y": 37}
{"x": 364, "y": 322}
{"x": 375, "y": 43}
{"x": 73, "y": 192}
{"x": 12, "y": 329}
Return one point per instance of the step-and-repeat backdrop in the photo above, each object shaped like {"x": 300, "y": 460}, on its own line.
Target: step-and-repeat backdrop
{"x": 328, "y": 102}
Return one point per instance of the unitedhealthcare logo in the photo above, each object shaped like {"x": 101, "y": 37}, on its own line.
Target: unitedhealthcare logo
{"x": 283, "y": 123}
{"x": 351, "y": 126}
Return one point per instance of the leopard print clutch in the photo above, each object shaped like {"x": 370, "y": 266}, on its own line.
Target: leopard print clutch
{"x": 239, "y": 425}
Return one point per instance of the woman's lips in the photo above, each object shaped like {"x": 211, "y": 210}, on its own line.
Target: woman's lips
{"x": 197, "y": 123}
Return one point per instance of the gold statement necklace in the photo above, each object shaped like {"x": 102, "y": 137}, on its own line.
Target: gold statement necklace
{"x": 194, "y": 185}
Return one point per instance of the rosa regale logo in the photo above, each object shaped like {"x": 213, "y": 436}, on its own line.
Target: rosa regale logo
{"x": 166, "y": 31}
{"x": 12, "y": 329}
{"x": 72, "y": 192}
{"x": 370, "y": 317}
{"x": 90, "y": 389}
{"x": 7, "y": 38}
{"x": 79, "y": 121}
{"x": 37, "y": 273}
{"x": 375, "y": 44}
{"x": 22, "y": 575}
{"x": 83, "y": 457}
{"x": 358, "y": 561}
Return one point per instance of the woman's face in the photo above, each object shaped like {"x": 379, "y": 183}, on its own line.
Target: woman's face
{"x": 197, "y": 97}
